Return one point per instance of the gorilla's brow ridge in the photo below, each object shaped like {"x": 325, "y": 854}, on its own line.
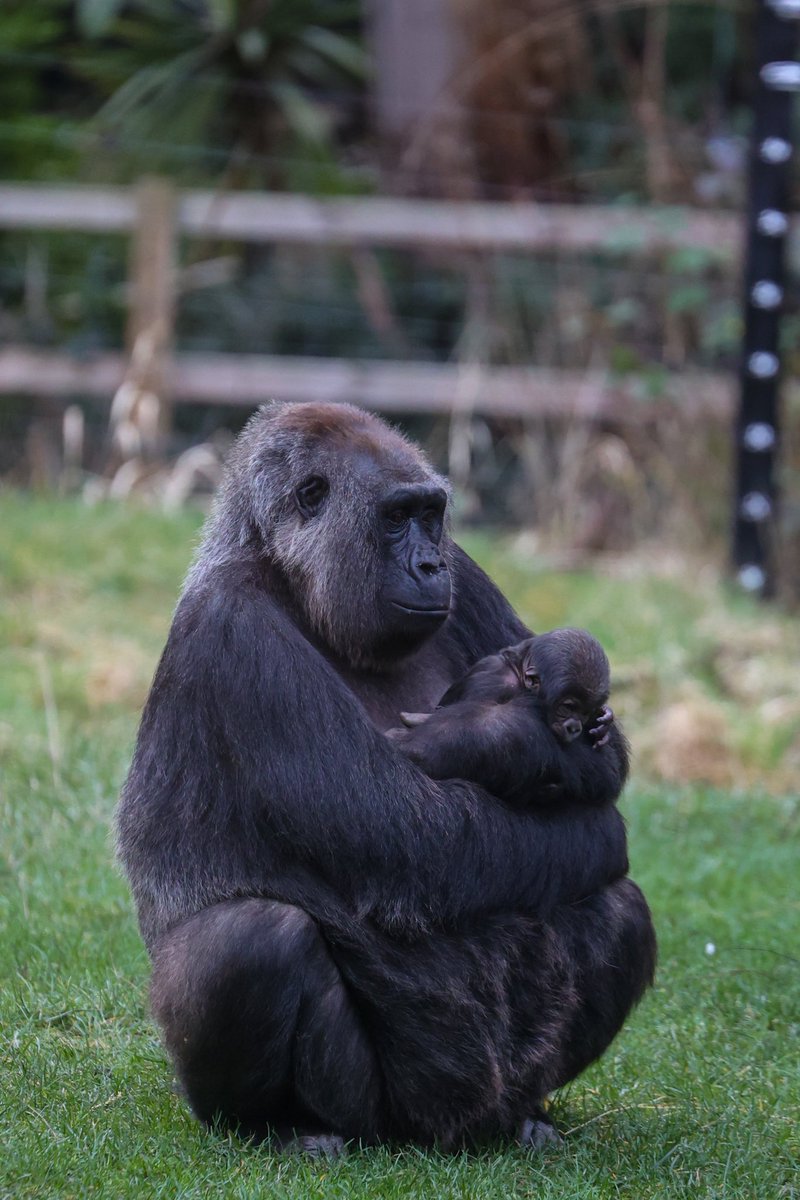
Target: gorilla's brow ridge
{"x": 352, "y": 429}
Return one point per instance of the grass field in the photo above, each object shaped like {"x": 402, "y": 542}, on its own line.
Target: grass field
{"x": 700, "y": 1096}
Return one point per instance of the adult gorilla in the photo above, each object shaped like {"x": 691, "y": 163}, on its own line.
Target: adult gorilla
{"x": 341, "y": 946}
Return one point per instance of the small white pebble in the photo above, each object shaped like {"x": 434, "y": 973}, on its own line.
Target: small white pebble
{"x": 711, "y": 948}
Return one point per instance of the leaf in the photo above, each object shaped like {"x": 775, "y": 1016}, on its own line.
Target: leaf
{"x": 689, "y": 297}
{"x": 691, "y": 260}
{"x": 222, "y": 15}
{"x": 95, "y": 17}
{"x": 624, "y": 360}
{"x": 305, "y": 118}
{"x": 157, "y": 96}
{"x": 343, "y": 52}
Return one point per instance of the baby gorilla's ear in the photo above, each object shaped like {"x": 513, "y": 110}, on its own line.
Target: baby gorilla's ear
{"x": 412, "y": 720}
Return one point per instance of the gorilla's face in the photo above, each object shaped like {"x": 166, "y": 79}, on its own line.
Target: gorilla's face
{"x": 379, "y": 585}
{"x": 414, "y": 597}
{"x": 356, "y": 517}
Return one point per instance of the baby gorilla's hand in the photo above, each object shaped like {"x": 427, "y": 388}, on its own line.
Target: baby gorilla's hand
{"x": 427, "y": 745}
{"x": 600, "y": 731}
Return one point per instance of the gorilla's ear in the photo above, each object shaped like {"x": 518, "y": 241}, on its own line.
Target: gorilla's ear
{"x": 411, "y": 720}
{"x": 310, "y": 495}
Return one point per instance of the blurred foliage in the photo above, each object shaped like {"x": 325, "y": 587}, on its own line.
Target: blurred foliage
{"x": 589, "y": 102}
{"x": 40, "y": 103}
{"x": 227, "y": 90}
{"x": 698, "y": 85}
{"x": 249, "y": 83}
{"x": 255, "y": 91}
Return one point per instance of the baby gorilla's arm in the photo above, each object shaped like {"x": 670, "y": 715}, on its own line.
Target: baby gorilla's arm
{"x": 510, "y": 750}
{"x": 506, "y": 748}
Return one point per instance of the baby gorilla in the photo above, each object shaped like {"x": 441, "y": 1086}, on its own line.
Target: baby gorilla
{"x": 565, "y": 673}
{"x": 554, "y": 684}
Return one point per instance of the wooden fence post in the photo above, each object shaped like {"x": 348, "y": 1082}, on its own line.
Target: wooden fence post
{"x": 141, "y": 414}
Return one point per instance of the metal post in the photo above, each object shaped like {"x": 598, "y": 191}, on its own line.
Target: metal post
{"x": 767, "y": 226}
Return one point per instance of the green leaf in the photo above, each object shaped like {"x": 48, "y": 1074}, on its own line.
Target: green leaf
{"x": 305, "y": 118}
{"x": 624, "y": 359}
{"x": 689, "y": 297}
{"x": 95, "y": 17}
{"x": 691, "y": 260}
{"x": 343, "y": 52}
{"x": 152, "y": 83}
{"x": 222, "y": 15}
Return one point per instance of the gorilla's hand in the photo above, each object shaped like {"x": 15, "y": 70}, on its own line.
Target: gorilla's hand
{"x": 432, "y": 741}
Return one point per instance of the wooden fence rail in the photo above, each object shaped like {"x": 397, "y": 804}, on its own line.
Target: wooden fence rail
{"x": 399, "y": 387}
{"x": 155, "y": 216}
{"x": 263, "y": 217}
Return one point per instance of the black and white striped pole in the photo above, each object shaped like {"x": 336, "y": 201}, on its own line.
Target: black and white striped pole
{"x": 778, "y": 22}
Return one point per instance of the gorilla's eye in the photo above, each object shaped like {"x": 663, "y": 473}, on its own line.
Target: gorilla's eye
{"x": 310, "y": 495}
{"x": 531, "y": 681}
{"x": 432, "y": 518}
{"x": 396, "y": 519}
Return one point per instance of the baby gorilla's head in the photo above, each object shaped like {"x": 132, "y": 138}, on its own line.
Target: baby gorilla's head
{"x": 567, "y": 671}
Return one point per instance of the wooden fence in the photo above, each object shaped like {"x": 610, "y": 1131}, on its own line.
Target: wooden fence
{"x": 156, "y": 216}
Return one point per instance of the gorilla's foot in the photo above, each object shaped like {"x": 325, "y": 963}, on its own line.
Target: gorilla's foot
{"x": 538, "y": 1131}
{"x": 315, "y": 1145}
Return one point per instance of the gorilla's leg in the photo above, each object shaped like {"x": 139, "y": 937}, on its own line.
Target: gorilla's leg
{"x": 597, "y": 960}
{"x": 259, "y": 1025}
{"x": 610, "y": 937}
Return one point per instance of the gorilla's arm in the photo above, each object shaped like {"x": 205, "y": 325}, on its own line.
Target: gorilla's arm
{"x": 510, "y": 750}
{"x": 251, "y": 744}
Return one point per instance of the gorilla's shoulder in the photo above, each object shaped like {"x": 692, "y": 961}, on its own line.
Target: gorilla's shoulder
{"x": 482, "y": 620}
{"x": 225, "y": 591}
{"x": 227, "y": 618}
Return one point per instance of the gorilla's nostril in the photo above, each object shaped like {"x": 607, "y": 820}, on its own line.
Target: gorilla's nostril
{"x": 427, "y": 562}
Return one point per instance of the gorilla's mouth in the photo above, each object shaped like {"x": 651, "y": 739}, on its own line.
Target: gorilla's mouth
{"x": 420, "y": 612}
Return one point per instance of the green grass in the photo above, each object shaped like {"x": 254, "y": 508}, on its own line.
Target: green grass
{"x": 700, "y": 1095}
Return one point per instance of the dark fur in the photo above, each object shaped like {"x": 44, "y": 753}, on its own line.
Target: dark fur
{"x": 524, "y": 697}
{"x": 339, "y": 943}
